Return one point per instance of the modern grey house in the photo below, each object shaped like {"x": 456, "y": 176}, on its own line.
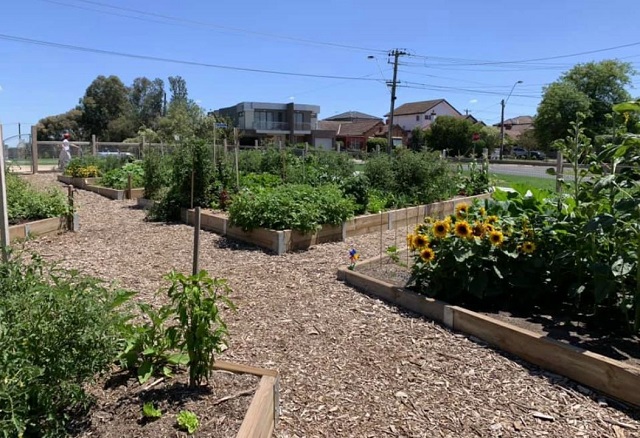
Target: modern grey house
{"x": 286, "y": 122}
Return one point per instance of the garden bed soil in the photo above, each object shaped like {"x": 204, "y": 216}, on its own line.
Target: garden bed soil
{"x": 561, "y": 328}
{"x": 220, "y": 407}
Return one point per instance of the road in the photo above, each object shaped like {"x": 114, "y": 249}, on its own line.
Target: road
{"x": 522, "y": 170}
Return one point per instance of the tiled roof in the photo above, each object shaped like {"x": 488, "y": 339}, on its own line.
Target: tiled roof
{"x": 415, "y": 107}
{"x": 348, "y": 129}
{"x": 351, "y": 115}
{"x": 520, "y": 120}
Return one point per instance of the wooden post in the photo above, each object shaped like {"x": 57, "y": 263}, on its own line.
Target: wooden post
{"x": 34, "y": 149}
{"x": 193, "y": 181}
{"x": 559, "y": 170}
{"x": 196, "y": 240}
{"x": 236, "y": 165}
{"x": 94, "y": 146}
{"x": 225, "y": 146}
{"x": 71, "y": 207}
{"x": 130, "y": 187}
{"x": 4, "y": 213}
{"x": 256, "y": 144}
{"x": 280, "y": 145}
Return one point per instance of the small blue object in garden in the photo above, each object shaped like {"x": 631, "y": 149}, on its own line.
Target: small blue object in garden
{"x": 354, "y": 255}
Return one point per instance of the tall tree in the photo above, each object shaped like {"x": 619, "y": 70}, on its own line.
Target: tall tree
{"x": 52, "y": 127}
{"x": 178, "y": 87}
{"x": 147, "y": 97}
{"x": 418, "y": 139}
{"x": 590, "y": 88}
{"x": 453, "y": 134}
{"x": 105, "y": 100}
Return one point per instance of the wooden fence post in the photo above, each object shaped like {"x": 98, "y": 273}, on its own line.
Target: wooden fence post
{"x": 559, "y": 170}
{"x": 130, "y": 186}
{"x": 4, "y": 213}
{"x": 196, "y": 240}
{"x": 94, "y": 145}
{"x": 34, "y": 149}
{"x": 237, "y": 171}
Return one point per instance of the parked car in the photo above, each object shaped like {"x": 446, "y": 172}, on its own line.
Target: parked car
{"x": 127, "y": 156}
{"x": 519, "y": 152}
{"x": 537, "y": 155}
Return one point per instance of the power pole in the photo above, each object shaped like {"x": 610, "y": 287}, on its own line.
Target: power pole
{"x": 396, "y": 53}
{"x": 4, "y": 218}
{"x": 502, "y": 129}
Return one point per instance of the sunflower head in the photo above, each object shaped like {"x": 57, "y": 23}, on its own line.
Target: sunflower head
{"x": 492, "y": 219}
{"x": 410, "y": 242}
{"x": 528, "y": 247}
{"x": 488, "y": 227}
{"x": 483, "y": 211}
{"x": 420, "y": 241}
{"x": 422, "y": 228}
{"x": 461, "y": 210}
{"x": 441, "y": 229}
{"x": 496, "y": 238}
{"x": 478, "y": 229}
{"x": 427, "y": 254}
{"x": 463, "y": 229}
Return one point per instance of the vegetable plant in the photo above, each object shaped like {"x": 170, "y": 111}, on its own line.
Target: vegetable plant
{"x": 188, "y": 421}
{"x": 150, "y": 411}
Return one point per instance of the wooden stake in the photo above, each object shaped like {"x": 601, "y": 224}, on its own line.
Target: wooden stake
{"x": 71, "y": 208}
{"x": 193, "y": 181}
{"x": 130, "y": 186}
{"x": 4, "y": 213}
{"x": 34, "y": 149}
{"x": 196, "y": 240}
{"x": 236, "y": 165}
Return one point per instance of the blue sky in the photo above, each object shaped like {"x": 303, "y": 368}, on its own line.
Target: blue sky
{"x": 446, "y": 39}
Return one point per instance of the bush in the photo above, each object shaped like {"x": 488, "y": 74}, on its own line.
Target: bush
{"x": 374, "y": 144}
{"x": 24, "y": 203}
{"x": 57, "y": 331}
{"x": 379, "y": 172}
{"x": 92, "y": 167}
{"x": 357, "y": 187}
{"x": 157, "y": 173}
{"x": 295, "y": 206}
{"x": 119, "y": 178}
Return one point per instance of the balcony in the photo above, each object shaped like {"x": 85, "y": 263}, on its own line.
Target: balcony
{"x": 260, "y": 125}
{"x": 300, "y": 126}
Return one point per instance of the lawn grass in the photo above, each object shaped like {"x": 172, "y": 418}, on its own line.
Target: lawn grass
{"x": 504, "y": 180}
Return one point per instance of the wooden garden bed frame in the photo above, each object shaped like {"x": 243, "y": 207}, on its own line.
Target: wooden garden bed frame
{"x": 43, "y": 227}
{"x": 612, "y": 377}
{"x": 262, "y": 415}
{"x": 284, "y": 241}
{"x": 90, "y": 184}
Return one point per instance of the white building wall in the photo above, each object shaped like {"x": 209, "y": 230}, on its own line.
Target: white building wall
{"x": 409, "y": 122}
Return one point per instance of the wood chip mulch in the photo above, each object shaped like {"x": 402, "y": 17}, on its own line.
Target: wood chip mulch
{"x": 351, "y": 365}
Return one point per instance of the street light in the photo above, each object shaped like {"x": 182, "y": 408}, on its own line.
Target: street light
{"x": 503, "y": 103}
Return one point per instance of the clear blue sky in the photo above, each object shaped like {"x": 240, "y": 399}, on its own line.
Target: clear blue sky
{"x": 40, "y": 80}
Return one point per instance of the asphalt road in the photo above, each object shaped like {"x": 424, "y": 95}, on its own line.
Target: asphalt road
{"x": 522, "y": 170}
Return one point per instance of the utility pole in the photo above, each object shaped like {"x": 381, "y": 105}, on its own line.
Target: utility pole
{"x": 396, "y": 53}
{"x": 4, "y": 218}
{"x": 502, "y": 129}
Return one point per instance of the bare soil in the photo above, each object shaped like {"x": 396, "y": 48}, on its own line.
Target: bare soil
{"x": 351, "y": 365}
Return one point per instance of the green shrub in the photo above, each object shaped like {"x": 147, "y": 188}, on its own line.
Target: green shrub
{"x": 157, "y": 173}
{"x": 57, "y": 331}
{"x": 374, "y": 144}
{"x": 119, "y": 178}
{"x": 256, "y": 180}
{"x": 379, "y": 172}
{"x": 357, "y": 187}
{"x": 294, "y": 206}
{"x": 25, "y": 203}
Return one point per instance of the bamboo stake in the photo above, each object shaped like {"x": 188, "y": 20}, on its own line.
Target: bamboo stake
{"x": 196, "y": 240}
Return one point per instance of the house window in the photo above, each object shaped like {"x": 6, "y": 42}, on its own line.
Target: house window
{"x": 418, "y": 118}
{"x": 427, "y": 117}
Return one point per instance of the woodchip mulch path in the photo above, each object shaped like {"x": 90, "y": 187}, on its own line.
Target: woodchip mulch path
{"x": 351, "y": 365}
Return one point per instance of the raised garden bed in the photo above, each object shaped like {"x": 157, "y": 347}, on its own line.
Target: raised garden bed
{"x": 43, "y": 227}
{"x": 612, "y": 377}
{"x": 240, "y": 401}
{"x": 284, "y": 241}
{"x": 90, "y": 184}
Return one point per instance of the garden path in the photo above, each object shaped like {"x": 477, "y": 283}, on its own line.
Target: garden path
{"x": 351, "y": 365}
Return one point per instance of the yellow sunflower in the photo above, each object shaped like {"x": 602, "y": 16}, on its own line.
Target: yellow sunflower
{"x": 461, "y": 210}
{"x": 483, "y": 211}
{"x": 420, "y": 241}
{"x": 478, "y": 229}
{"x": 410, "y": 242}
{"x": 463, "y": 229}
{"x": 496, "y": 238}
{"x": 492, "y": 219}
{"x": 441, "y": 229}
{"x": 448, "y": 220}
{"x": 528, "y": 247}
{"x": 427, "y": 254}
{"x": 488, "y": 227}
{"x": 422, "y": 228}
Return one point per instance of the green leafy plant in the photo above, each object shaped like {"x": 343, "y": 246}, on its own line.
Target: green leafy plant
{"x": 150, "y": 411}
{"x": 188, "y": 421}
{"x": 119, "y": 178}
{"x": 26, "y": 203}
{"x": 196, "y": 300}
{"x": 157, "y": 173}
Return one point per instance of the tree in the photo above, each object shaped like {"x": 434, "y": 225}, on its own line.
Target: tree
{"x": 453, "y": 134}
{"x": 52, "y": 127}
{"x": 529, "y": 141}
{"x": 591, "y": 89}
{"x": 105, "y": 100}
{"x": 418, "y": 139}
{"x": 178, "y": 87}
{"x": 147, "y": 99}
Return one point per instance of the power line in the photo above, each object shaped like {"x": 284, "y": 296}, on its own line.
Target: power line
{"x": 419, "y": 85}
{"x": 174, "y": 61}
{"x": 191, "y": 23}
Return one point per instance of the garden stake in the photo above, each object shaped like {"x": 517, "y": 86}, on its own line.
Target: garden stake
{"x": 406, "y": 222}
{"x": 71, "y": 209}
{"x": 236, "y": 165}
{"x": 381, "y": 223}
{"x": 129, "y": 186}
{"x": 193, "y": 177}
{"x": 196, "y": 240}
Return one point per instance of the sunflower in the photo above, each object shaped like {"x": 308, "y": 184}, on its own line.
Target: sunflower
{"x": 483, "y": 211}
{"x": 478, "y": 229}
{"x": 420, "y": 241}
{"x": 448, "y": 220}
{"x": 461, "y": 210}
{"x": 528, "y": 247}
{"x": 422, "y": 228}
{"x": 492, "y": 219}
{"x": 496, "y": 238}
{"x": 441, "y": 229}
{"x": 488, "y": 227}
{"x": 410, "y": 242}
{"x": 427, "y": 254}
{"x": 463, "y": 229}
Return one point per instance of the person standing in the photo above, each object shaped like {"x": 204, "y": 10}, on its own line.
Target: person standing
{"x": 65, "y": 152}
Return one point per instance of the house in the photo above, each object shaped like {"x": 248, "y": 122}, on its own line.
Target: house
{"x": 473, "y": 120}
{"x": 285, "y": 122}
{"x": 353, "y": 135}
{"x": 422, "y": 114}
{"x": 352, "y": 116}
{"x": 516, "y": 126}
